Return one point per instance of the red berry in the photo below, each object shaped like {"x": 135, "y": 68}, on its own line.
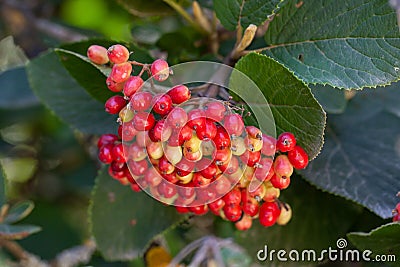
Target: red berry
{"x": 160, "y": 132}
{"x": 152, "y": 177}
{"x": 199, "y": 180}
{"x": 222, "y": 156}
{"x": 132, "y": 85}
{"x": 222, "y": 185}
{"x": 170, "y": 177}
{"x": 185, "y": 134}
{"x": 207, "y": 131}
{"x": 206, "y": 194}
{"x": 269, "y": 213}
{"x": 251, "y": 158}
{"x": 141, "y": 101}
{"x": 234, "y": 124}
{"x": 136, "y": 152}
{"x": 167, "y": 190}
{"x": 143, "y": 121}
{"x": 269, "y": 145}
{"x": 118, "y": 166}
{"x": 396, "y": 217}
{"x": 221, "y": 139}
{"x": 118, "y": 153}
{"x": 196, "y": 118}
{"x": 128, "y": 131}
{"x": 286, "y": 142}
{"x": 298, "y": 157}
{"x": 97, "y": 54}
{"x": 162, "y": 104}
{"x": 105, "y": 153}
{"x": 216, "y": 206}
{"x": 207, "y": 168}
{"x": 231, "y": 167}
{"x": 280, "y": 182}
{"x": 160, "y": 70}
{"x": 199, "y": 209}
{"x": 117, "y": 174}
{"x": 114, "y": 86}
{"x": 233, "y": 212}
{"x": 138, "y": 168}
{"x": 106, "y": 139}
{"x": 233, "y": 197}
{"x": 118, "y": 54}
{"x": 184, "y": 167}
{"x": 397, "y": 208}
{"x": 142, "y": 138}
{"x": 179, "y": 94}
{"x": 165, "y": 166}
{"x": 186, "y": 191}
{"x": 250, "y": 208}
{"x": 181, "y": 209}
{"x": 215, "y": 111}
{"x": 121, "y": 72}
{"x": 115, "y": 104}
{"x": 177, "y": 117}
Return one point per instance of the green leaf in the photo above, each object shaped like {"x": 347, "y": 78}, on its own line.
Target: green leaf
{"x": 81, "y": 68}
{"x": 16, "y": 232}
{"x": 384, "y": 240}
{"x": 66, "y": 98}
{"x": 231, "y": 13}
{"x": 143, "y": 8}
{"x": 124, "y": 222}
{"x": 11, "y": 56}
{"x": 361, "y": 154}
{"x": 331, "y": 99}
{"x": 293, "y": 106}
{"x": 348, "y": 44}
{"x": 319, "y": 219}
{"x": 19, "y": 212}
{"x": 15, "y": 90}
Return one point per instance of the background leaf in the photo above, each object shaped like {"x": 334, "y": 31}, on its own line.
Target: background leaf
{"x": 19, "y": 211}
{"x": 314, "y": 225}
{"x": 234, "y": 12}
{"x": 11, "y": 56}
{"x": 293, "y": 106}
{"x": 66, "y": 98}
{"x": 15, "y": 90}
{"x": 384, "y": 240}
{"x": 348, "y": 44}
{"x": 361, "y": 155}
{"x": 331, "y": 99}
{"x": 124, "y": 222}
{"x": 17, "y": 231}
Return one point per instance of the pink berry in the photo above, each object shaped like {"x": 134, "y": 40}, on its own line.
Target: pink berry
{"x": 115, "y": 104}
{"x": 160, "y": 70}
{"x": 121, "y": 72}
{"x": 141, "y": 101}
{"x": 268, "y": 146}
{"x": 234, "y": 124}
{"x": 114, "y": 86}
{"x": 177, "y": 118}
{"x": 215, "y": 111}
{"x": 179, "y": 94}
{"x": 143, "y": 121}
{"x": 118, "y": 54}
{"x": 97, "y": 54}
{"x": 132, "y": 85}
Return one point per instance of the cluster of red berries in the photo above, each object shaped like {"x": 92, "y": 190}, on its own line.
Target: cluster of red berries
{"x": 193, "y": 153}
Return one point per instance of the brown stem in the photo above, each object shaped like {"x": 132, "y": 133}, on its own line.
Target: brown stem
{"x": 14, "y": 249}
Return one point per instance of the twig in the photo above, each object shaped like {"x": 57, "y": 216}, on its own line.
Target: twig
{"x": 14, "y": 249}
{"x": 57, "y": 31}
